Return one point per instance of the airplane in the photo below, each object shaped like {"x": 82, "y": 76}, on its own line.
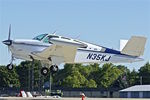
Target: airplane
{"x": 52, "y": 50}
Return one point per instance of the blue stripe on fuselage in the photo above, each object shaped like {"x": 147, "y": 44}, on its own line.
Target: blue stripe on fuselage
{"x": 117, "y": 52}
{"x": 112, "y": 51}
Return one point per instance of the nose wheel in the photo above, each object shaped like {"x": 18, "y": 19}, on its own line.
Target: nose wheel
{"x": 10, "y": 66}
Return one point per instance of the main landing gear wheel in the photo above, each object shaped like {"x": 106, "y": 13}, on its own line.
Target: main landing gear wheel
{"x": 44, "y": 71}
{"x": 54, "y": 68}
{"x": 10, "y": 66}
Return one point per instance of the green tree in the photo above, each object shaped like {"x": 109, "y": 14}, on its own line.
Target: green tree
{"x": 133, "y": 78}
{"x": 123, "y": 79}
{"x": 144, "y": 72}
{"x": 23, "y": 72}
{"x": 91, "y": 84}
{"x": 74, "y": 80}
{"x": 76, "y": 75}
{"x": 108, "y": 75}
{"x": 8, "y": 78}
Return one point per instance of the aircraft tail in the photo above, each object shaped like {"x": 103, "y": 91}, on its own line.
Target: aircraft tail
{"x": 134, "y": 46}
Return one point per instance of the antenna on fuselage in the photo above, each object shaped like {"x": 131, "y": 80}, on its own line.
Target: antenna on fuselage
{"x": 77, "y": 36}
{"x": 54, "y": 32}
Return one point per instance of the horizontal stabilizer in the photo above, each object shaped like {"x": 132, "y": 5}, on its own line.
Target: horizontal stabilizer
{"x": 135, "y": 46}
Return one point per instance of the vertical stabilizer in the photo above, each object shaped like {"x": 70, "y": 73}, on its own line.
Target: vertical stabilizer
{"x": 135, "y": 46}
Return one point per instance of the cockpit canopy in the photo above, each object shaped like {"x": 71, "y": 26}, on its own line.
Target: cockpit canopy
{"x": 45, "y": 37}
{"x": 40, "y": 37}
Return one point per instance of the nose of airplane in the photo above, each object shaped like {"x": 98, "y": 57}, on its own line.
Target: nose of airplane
{"x": 7, "y": 42}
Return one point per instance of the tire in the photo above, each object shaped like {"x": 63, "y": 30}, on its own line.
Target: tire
{"x": 10, "y": 66}
{"x": 54, "y": 68}
{"x": 44, "y": 71}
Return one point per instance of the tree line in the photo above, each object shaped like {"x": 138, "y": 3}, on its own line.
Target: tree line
{"x": 76, "y": 76}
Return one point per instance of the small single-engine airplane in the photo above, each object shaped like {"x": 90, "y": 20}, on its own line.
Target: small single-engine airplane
{"x": 52, "y": 50}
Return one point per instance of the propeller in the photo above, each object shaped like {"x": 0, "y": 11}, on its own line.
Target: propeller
{"x": 9, "y": 41}
{"x": 9, "y": 32}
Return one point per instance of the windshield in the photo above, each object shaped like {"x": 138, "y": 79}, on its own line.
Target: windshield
{"x": 39, "y": 37}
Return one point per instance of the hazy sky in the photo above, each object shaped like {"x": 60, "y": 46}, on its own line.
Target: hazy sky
{"x": 102, "y": 22}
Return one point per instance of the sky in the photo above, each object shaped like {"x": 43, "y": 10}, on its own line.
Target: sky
{"x": 102, "y": 22}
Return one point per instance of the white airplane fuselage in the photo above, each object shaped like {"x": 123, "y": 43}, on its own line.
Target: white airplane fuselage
{"x": 52, "y": 50}
{"x": 25, "y": 48}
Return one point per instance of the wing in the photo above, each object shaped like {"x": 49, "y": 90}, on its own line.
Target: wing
{"x": 66, "y": 52}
